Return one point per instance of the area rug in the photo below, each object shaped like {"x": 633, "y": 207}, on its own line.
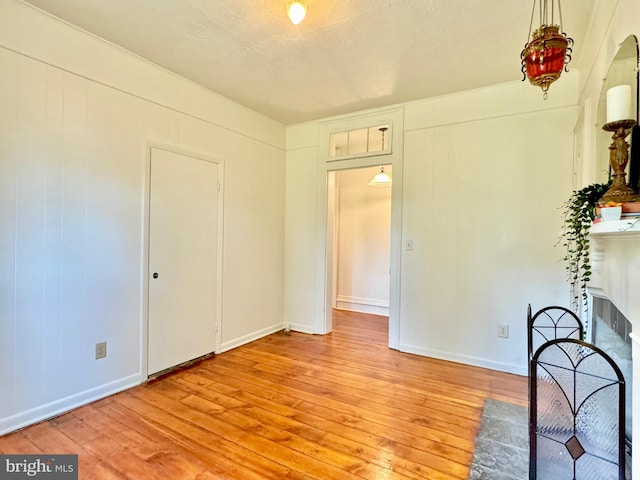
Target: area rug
{"x": 502, "y": 445}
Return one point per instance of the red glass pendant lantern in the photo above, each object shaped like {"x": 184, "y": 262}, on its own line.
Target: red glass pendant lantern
{"x": 549, "y": 50}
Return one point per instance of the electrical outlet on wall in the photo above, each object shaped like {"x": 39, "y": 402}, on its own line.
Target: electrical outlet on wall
{"x": 503, "y": 331}
{"x": 101, "y": 350}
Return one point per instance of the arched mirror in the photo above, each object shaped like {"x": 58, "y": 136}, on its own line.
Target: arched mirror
{"x": 623, "y": 71}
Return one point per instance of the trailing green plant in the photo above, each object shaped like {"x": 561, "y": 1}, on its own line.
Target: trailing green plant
{"x": 578, "y": 214}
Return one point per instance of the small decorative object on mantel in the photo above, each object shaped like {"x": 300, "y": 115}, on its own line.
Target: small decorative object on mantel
{"x": 610, "y": 211}
{"x": 631, "y": 209}
{"x": 549, "y": 50}
{"x": 619, "y": 121}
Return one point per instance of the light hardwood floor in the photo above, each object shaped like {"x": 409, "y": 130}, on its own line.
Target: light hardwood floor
{"x": 341, "y": 406}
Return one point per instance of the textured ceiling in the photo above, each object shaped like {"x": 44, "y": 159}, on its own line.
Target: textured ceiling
{"x": 346, "y": 55}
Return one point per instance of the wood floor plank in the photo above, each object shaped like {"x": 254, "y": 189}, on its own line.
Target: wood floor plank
{"x": 306, "y": 388}
{"x": 16, "y": 443}
{"x": 286, "y": 407}
{"x": 389, "y": 394}
{"x": 371, "y": 448}
{"x": 191, "y": 444}
{"x": 251, "y": 434}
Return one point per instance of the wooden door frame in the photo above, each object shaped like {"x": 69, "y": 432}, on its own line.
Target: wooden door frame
{"x": 322, "y": 323}
{"x": 150, "y": 145}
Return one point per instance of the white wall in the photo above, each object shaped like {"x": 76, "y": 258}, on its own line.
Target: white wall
{"x": 301, "y": 228}
{"x": 481, "y": 204}
{"x": 483, "y": 176}
{"x": 76, "y": 117}
{"x": 363, "y": 242}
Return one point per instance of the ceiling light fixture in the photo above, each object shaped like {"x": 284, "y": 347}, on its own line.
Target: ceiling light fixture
{"x": 381, "y": 179}
{"x": 296, "y": 9}
{"x": 549, "y": 50}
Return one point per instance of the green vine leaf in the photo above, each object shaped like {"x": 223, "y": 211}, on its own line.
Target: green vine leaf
{"x": 578, "y": 213}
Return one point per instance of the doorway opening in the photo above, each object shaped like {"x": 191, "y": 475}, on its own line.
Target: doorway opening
{"x": 358, "y": 242}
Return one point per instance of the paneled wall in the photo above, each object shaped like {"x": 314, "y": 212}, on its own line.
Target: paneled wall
{"x": 482, "y": 207}
{"x": 482, "y": 179}
{"x": 77, "y": 115}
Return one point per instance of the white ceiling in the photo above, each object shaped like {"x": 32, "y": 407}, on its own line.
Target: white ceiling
{"x": 345, "y": 56}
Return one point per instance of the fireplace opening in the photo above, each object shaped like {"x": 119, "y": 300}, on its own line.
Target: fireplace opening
{"x": 610, "y": 331}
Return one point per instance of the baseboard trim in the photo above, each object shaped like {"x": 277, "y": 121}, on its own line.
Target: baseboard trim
{"x": 362, "y": 305}
{"x": 53, "y": 409}
{"x": 302, "y": 328}
{"x": 231, "y": 344}
{"x": 465, "y": 359}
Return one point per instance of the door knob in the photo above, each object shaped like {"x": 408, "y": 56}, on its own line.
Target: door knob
{"x": 155, "y": 275}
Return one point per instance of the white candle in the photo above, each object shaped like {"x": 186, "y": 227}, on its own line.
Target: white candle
{"x": 619, "y": 103}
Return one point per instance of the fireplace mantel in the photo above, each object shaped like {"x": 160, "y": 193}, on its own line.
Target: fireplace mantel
{"x": 615, "y": 267}
{"x": 616, "y": 229}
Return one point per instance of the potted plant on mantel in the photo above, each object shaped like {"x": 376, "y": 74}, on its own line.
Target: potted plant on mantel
{"x": 578, "y": 214}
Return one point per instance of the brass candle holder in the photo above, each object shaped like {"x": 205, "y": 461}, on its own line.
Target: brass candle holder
{"x": 619, "y": 191}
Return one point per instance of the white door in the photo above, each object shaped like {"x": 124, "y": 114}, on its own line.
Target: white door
{"x": 183, "y": 235}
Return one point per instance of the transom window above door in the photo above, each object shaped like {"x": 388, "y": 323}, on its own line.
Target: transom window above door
{"x": 360, "y": 142}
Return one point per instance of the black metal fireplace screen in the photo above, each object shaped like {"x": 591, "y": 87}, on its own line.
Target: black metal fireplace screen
{"x": 549, "y": 323}
{"x": 576, "y": 427}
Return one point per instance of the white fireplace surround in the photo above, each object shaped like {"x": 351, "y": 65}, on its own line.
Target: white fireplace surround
{"x": 615, "y": 266}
